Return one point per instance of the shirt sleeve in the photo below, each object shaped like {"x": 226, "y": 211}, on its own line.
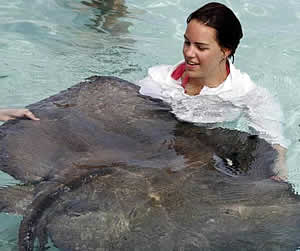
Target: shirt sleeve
{"x": 265, "y": 117}
{"x": 154, "y": 83}
{"x": 149, "y": 87}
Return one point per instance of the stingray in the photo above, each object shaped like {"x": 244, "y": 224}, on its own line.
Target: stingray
{"x": 109, "y": 169}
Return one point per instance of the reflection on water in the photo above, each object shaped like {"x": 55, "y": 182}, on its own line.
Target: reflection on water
{"x": 107, "y": 16}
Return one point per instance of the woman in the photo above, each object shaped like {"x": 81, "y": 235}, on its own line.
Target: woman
{"x": 206, "y": 88}
{"x": 8, "y": 114}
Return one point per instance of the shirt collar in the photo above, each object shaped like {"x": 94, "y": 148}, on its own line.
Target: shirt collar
{"x": 225, "y": 86}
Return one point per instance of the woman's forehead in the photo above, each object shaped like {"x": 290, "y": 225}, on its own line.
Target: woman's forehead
{"x": 198, "y": 32}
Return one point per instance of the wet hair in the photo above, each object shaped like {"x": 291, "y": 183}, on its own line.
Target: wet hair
{"x": 223, "y": 20}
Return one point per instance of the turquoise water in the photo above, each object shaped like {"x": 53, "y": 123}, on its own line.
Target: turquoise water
{"x": 47, "y": 46}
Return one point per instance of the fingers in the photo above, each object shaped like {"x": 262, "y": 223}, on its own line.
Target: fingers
{"x": 30, "y": 115}
{"x": 9, "y": 114}
{"x": 279, "y": 179}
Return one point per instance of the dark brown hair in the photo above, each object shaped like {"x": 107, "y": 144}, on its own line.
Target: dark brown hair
{"x": 223, "y": 20}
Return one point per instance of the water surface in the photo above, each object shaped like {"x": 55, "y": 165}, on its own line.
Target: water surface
{"x": 47, "y": 46}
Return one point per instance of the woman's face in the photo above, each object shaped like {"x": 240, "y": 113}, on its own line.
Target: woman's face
{"x": 204, "y": 58}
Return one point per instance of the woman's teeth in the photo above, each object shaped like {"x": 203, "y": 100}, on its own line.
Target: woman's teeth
{"x": 191, "y": 63}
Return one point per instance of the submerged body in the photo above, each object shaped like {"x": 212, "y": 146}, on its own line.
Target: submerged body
{"x": 236, "y": 103}
{"x": 131, "y": 176}
{"x": 209, "y": 89}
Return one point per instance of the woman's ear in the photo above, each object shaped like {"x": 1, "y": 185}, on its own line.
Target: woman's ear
{"x": 226, "y": 52}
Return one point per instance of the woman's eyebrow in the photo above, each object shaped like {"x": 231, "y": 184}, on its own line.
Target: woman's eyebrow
{"x": 185, "y": 37}
{"x": 197, "y": 43}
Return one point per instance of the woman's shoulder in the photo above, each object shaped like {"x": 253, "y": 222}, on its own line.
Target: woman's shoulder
{"x": 161, "y": 73}
{"x": 241, "y": 82}
{"x": 249, "y": 93}
{"x": 157, "y": 82}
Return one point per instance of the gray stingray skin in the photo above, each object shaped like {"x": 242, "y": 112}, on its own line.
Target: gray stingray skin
{"x": 109, "y": 169}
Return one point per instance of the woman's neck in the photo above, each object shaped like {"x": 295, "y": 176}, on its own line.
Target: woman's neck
{"x": 195, "y": 85}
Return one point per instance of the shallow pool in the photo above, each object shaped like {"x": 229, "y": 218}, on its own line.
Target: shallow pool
{"x": 47, "y": 46}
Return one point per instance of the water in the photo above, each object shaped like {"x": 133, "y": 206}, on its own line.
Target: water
{"x": 47, "y": 46}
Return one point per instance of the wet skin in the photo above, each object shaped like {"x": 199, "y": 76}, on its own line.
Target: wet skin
{"x": 205, "y": 59}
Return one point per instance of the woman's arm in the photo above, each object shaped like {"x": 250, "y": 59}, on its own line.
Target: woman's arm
{"x": 266, "y": 120}
{"x": 8, "y": 114}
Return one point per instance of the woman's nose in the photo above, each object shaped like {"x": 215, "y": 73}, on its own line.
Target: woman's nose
{"x": 189, "y": 51}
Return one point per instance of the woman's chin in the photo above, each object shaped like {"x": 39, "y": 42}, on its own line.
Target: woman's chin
{"x": 193, "y": 75}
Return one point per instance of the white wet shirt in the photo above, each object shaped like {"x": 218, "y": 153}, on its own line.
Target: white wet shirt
{"x": 237, "y": 103}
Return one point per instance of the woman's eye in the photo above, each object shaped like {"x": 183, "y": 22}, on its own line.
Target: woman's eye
{"x": 201, "y": 48}
{"x": 187, "y": 42}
